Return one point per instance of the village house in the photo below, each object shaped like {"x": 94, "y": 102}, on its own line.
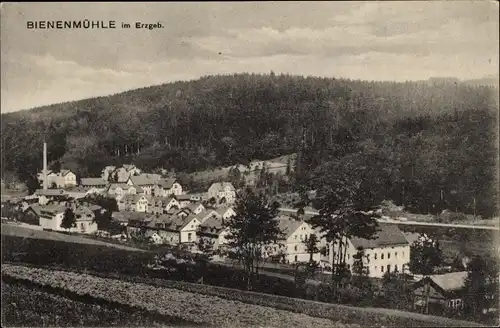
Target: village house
{"x": 225, "y": 212}
{"x": 162, "y": 205}
{"x": 167, "y": 187}
{"x": 172, "y": 229}
{"x": 135, "y": 203}
{"x": 389, "y": 251}
{"x": 51, "y": 217}
{"x": 48, "y": 195}
{"x": 292, "y": 246}
{"x": 213, "y": 232}
{"x": 440, "y": 293}
{"x": 145, "y": 181}
{"x": 97, "y": 183}
{"x": 161, "y": 231}
{"x": 196, "y": 208}
{"x": 184, "y": 200}
{"x": 222, "y": 192}
{"x": 118, "y": 190}
{"x": 208, "y": 213}
{"x": 62, "y": 179}
{"x": 119, "y": 174}
{"x": 32, "y": 214}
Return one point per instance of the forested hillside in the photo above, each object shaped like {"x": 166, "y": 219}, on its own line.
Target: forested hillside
{"x": 436, "y": 140}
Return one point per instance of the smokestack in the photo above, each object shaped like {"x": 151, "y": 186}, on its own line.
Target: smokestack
{"x": 45, "y": 182}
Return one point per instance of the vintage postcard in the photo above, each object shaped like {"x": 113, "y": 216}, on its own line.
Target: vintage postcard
{"x": 250, "y": 164}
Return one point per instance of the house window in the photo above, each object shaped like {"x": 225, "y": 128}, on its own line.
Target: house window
{"x": 295, "y": 258}
{"x": 395, "y": 267}
{"x": 296, "y": 247}
{"x": 388, "y": 268}
{"x": 382, "y": 256}
{"x": 388, "y": 255}
{"x": 368, "y": 257}
{"x": 376, "y": 267}
{"x": 295, "y": 236}
{"x": 375, "y": 256}
{"x": 189, "y": 236}
{"x": 381, "y": 268}
{"x": 395, "y": 254}
{"x": 347, "y": 256}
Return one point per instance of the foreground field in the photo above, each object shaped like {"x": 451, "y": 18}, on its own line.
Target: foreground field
{"x": 206, "y": 303}
{"x": 196, "y": 308}
{"x": 31, "y": 307}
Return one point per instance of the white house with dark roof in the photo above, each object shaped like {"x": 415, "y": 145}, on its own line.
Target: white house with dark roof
{"x": 167, "y": 187}
{"x": 145, "y": 181}
{"x": 196, "y": 208}
{"x": 291, "y": 247}
{"x": 118, "y": 190}
{"x": 222, "y": 192}
{"x": 62, "y": 179}
{"x": 51, "y": 217}
{"x": 388, "y": 251}
{"x": 135, "y": 203}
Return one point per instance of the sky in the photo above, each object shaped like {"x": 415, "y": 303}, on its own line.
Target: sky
{"x": 395, "y": 41}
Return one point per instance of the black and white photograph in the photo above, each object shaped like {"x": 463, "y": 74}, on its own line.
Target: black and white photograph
{"x": 250, "y": 164}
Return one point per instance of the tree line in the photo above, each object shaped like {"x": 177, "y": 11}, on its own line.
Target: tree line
{"x": 435, "y": 139}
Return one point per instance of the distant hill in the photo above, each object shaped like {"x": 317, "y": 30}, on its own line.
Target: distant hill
{"x": 428, "y": 134}
{"x": 488, "y": 80}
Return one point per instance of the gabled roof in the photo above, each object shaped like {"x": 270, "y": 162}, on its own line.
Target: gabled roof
{"x": 450, "y": 281}
{"x": 183, "y": 197}
{"x": 171, "y": 222}
{"x": 65, "y": 172}
{"x": 53, "y": 209}
{"x": 288, "y": 225}
{"x": 219, "y": 186}
{"x": 212, "y": 225}
{"x": 167, "y": 183}
{"x": 35, "y": 208}
{"x": 128, "y": 167}
{"x": 77, "y": 189}
{"x": 93, "y": 182}
{"x": 95, "y": 207}
{"x": 124, "y": 186}
{"x": 145, "y": 179}
{"x": 123, "y": 216}
{"x": 83, "y": 213}
{"x": 222, "y": 210}
{"x": 135, "y": 198}
{"x": 113, "y": 186}
{"x": 387, "y": 235}
{"x": 194, "y": 206}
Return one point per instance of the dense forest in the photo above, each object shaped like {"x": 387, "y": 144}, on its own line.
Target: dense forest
{"x": 436, "y": 141}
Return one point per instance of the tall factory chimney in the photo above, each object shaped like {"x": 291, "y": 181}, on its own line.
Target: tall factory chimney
{"x": 45, "y": 182}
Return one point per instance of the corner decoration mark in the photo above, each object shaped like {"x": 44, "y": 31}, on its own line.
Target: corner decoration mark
{"x": 88, "y": 24}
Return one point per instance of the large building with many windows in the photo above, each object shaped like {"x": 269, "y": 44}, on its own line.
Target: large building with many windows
{"x": 388, "y": 251}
